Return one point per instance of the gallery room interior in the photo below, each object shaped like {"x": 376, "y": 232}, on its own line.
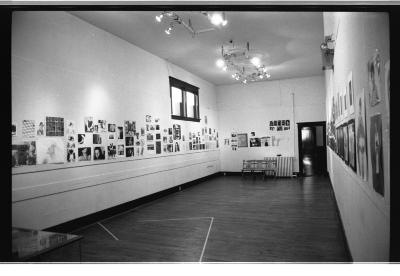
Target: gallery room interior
{"x": 200, "y": 136}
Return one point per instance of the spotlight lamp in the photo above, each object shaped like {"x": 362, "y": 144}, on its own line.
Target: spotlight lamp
{"x": 159, "y": 18}
{"x": 169, "y": 29}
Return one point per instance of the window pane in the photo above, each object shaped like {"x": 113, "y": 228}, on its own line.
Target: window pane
{"x": 176, "y": 101}
{"x": 190, "y": 104}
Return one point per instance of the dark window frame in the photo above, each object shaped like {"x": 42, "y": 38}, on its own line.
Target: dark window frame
{"x": 185, "y": 87}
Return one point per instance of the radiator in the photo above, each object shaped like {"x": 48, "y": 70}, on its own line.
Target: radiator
{"x": 284, "y": 166}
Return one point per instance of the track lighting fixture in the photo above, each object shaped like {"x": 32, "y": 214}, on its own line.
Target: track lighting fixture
{"x": 245, "y": 62}
{"x": 216, "y": 18}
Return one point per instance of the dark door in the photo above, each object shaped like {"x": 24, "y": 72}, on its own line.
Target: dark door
{"x": 312, "y": 149}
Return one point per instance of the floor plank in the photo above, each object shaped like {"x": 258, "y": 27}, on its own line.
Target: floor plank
{"x": 276, "y": 220}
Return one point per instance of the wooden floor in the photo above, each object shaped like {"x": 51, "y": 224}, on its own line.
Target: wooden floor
{"x": 226, "y": 219}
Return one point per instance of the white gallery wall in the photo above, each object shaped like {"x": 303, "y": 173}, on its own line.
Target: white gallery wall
{"x": 365, "y": 213}
{"x": 65, "y": 67}
{"x": 246, "y": 108}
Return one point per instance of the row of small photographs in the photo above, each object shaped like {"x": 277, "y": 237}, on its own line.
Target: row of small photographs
{"x": 52, "y": 150}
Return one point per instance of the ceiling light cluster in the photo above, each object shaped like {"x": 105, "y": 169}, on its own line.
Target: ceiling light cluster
{"x": 245, "y": 64}
{"x": 216, "y": 18}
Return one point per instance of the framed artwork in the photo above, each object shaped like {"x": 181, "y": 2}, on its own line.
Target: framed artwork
{"x": 99, "y": 153}
{"x": 130, "y": 128}
{"x": 54, "y": 126}
{"x": 50, "y": 150}
{"x": 352, "y": 144}
{"x": 85, "y": 154}
{"x": 374, "y": 77}
{"x": 89, "y": 127}
{"x": 242, "y": 140}
{"x": 346, "y": 144}
{"x": 350, "y": 92}
{"x": 376, "y": 150}
{"x": 255, "y": 142}
{"x": 13, "y": 129}
{"x": 361, "y": 137}
{"x": 28, "y": 128}
{"x": 23, "y": 154}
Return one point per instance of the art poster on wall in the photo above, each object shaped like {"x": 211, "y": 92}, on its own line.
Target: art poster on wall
{"x": 99, "y": 153}
{"x": 40, "y": 129}
{"x": 28, "y": 128}
{"x": 89, "y": 127}
{"x": 13, "y": 129}
{"x": 346, "y": 143}
{"x": 97, "y": 139}
{"x": 158, "y": 147}
{"x": 361, "y": 137}
{"x": 111, "y": 151}
{"x": 85, "y": 154}
{"x": 102, "y": 125}
{"x": 177, "y": 146}
{"x": 234, "y": 141}
{"x": 111, "y": 127}
{"x": 54, "y": 126}
{"x": 120, "y": 133}
{"x": 71, "y": 148}
{"x": 387, "y": 90}
{"x": 177, "y": 132}
{"x": 350, "y": 92}
{"x": 242, "y": 140}
{"x": 266, "y": 141}
{"x": 255, "y": 142}
{"x": 121, "y": 150}
{"x": 130, "y": 152}
{"x": 23, "y": 154}
{"x": 352, "y": 145}
{"x": 376, "y": 150}
{"x": 374, "y": 77}
{"x": 50, "y": 150}
{"x": 148, "y": 118}
{"x": 129, "y": 141}
{"x": 130, "y": 128}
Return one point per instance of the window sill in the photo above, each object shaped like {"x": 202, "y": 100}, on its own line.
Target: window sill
{"x": 175, "y": 117}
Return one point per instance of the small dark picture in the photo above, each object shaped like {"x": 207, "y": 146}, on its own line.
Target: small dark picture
{"x": 99, "y": 153}
{"x": 129, "y": 141}
{"x": 130, "y": 152}
{"x": 111, "y": 127}
{"x": 96, "y": 138}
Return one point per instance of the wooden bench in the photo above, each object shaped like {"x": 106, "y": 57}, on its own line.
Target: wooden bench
{"x": 262, "y": 166}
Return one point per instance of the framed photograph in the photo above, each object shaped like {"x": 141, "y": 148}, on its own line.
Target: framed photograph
{"x": 50, "y": 150}
{"x": 376, "y": 150}
{"x": 361, "y": 137}
{"x": 255, "y": 142}
{"x": 99, "y": 153}
{"x": 352, "y": 144}
{"x": 13, "y": 129}
{"x": 89, "y": 126}
{"x": 242, "y": 140}
{"x": 130, "y": 152}
{"x": 28, "y": 128}
{"x": 85, "y": 154}
{"x": 350, "y": 92}
{"x": 374, "y": 77}
{"x": 346, "y": 143}
{"x": 111, "y": 127}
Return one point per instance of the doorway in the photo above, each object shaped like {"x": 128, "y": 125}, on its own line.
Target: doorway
{"x": 312, "y": 148}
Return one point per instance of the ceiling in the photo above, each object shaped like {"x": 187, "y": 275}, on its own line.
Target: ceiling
{"x": 289, "y": 41}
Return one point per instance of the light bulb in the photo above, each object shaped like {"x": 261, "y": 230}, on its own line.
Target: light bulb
{"x": 220, "y": 63}
{"x": 268, "y": 75}
{"x": 224, "y": 22}
{"x": 224, "y": 68}
{"x": 245, "y": 81}
{"x": 168, "y": 31}
{"x": 261, "y": 76}
{"x": 233, "y": 76}
{"x": 159, "y": 18}
{"x": 216, "y": 19}
{"x": 255, "y": 61}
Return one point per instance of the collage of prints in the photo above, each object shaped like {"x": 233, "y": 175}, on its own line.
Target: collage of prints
{"x": 53, "y": 142}
{"x": 347, "y": 124}
{"x": 240, "y": 140}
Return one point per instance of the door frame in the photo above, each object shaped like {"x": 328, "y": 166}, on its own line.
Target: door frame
{"x": 299, "y": 141}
